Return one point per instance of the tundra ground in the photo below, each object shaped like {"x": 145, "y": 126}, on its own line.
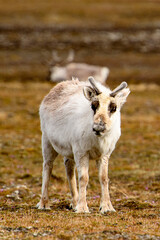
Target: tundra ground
{"x": 134, "y": 173}
{"x": 123, "y": 35}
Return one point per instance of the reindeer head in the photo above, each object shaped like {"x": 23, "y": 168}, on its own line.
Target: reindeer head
{"x": 57, "y": 67}
{"x": 105, "y": 106}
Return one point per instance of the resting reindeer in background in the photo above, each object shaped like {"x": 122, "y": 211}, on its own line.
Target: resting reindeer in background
{"x": 80, "y": 121}
{"x": 68, "y": 69}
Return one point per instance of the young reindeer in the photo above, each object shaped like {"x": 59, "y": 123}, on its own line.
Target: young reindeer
{"x": 80, "y": 121}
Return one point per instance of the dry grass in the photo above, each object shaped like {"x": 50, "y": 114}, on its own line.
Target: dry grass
{"x": 124, "y": 13}
{"x": 134, "y": 166}
{"x": 123, "y": 35}
{"x": 134, "y": 173}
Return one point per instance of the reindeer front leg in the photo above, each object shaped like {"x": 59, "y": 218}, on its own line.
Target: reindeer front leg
{"x": 105, "y": 205}
{"x": 82, "y": 168}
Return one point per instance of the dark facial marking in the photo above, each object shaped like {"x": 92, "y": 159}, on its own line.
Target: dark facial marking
{"x": 95, "y": 105}
{"x": 112, "y": 107}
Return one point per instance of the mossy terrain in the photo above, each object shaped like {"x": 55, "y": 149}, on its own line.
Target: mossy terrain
{"x": 123, "y": 35}
{"x": 134, "y": 173}
{"x": 91, "y": 12}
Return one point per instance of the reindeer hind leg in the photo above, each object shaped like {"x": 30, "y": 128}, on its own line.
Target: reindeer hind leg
{"x": 70, "y": 170}
{"x": 49, "y": 155}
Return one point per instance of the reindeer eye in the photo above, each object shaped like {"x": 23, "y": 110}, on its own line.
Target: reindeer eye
{"x": 95, "y": 105}
{"x": 112, "y": 107}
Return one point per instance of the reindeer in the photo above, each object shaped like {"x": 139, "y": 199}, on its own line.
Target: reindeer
{"x": 80, "y": 121}
{"x": 67, "y": 69}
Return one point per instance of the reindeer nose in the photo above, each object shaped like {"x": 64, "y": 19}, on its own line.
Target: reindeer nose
{"x": 98, "y": 128}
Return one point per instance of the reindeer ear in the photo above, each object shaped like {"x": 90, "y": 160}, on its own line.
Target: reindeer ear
{"x": 122, "y": 96}
{"x": 89, "y": 93}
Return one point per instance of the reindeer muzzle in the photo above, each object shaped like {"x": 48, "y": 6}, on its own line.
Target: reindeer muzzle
{"x": 99, "y": 128}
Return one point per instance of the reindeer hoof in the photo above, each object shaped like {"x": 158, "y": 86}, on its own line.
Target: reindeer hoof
{"x": 105, "y": 210}
{"x": 82, "y": 209}
{"x": 43, "y": 206}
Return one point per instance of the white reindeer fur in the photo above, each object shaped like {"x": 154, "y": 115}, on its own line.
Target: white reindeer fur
{"x": 80, "y": 70}
{"x": 67, "y": 129}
